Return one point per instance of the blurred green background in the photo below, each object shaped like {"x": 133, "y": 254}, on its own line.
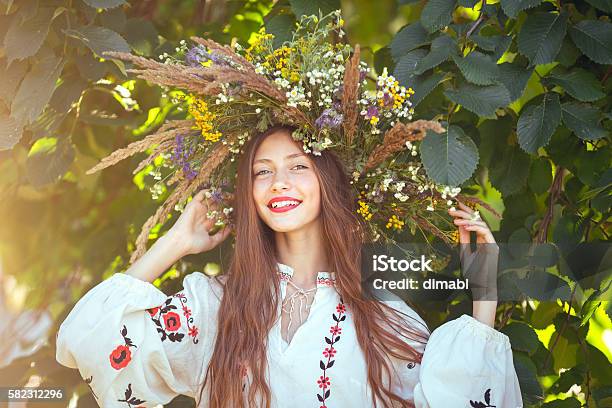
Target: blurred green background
{"x": 527, "y": 80}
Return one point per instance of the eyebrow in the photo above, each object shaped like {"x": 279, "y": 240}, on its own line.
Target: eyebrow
{"x": 291, "y": 156}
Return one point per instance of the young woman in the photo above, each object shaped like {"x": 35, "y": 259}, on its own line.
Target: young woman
{"x": 287, "y": 325}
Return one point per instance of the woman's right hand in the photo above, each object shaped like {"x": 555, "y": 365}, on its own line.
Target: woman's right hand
{"x": 191, "y": 229}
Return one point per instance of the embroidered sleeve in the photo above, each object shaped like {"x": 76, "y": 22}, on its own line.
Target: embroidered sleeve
{"x": 467, "y": 364}
{"x": 133, "y": 345}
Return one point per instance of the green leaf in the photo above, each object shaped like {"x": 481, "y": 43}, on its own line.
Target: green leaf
{"x": 10, "y": 132}
{"x": 441, "y": 49}
{"x": 497, "y": 44}
{"x": 512, "y": 161}
{"x": 537, "y": 123}
{"x": 564, "y": 403}
{"x": 99, "y": 39}
{"x": 477, "y": 68}
{"x": 422, "y": 86}
{"x": 141, "y": 36}
{"x": 407, "y": 39}
{"x": 48, "y": 159}
{"x": 406, "y": 66}
{"x": 449, "y": 158}
{"x": 382, "y": 59}
{"x": 24, "y": 39}
{"x": 583, "y": 119}
{"x": 512, "y": 7}
{"x": 522, "y": 337}
{"x": 437, "y": 14}
{"x": 36, "y": 89}
{"x": 514, "y": 78}
{"x": 540, "y": 175}
{"x": 579, "y": 83}
{"x": 481, "y": 100}
{"x": 281, "y": 25}
{"x": 603, "y": 5}
{"x": 594, "y": 39}
{"x": 541, "y": 37}
{"x": 105, "y": 4}
{"x": 11, "y": 78}
{"x": 68, "y": 92}
{"x": 312, "y": 7}
{"x": 527, "y": 375}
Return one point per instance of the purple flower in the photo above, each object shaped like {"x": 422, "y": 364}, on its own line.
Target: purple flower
{"x": 198, "y": 54}
{"x": 371, "y": 112}
{"x": 329, "y": 119}
{"x": 388, "y": 99}
{"x": 362, "y": 74}
{"x": 180, "y": 156}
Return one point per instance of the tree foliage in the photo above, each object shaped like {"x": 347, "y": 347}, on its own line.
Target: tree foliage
{"x": 523, "y": 86}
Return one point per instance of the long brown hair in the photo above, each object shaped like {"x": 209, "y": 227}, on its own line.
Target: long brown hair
{"x": 250, "y": 299}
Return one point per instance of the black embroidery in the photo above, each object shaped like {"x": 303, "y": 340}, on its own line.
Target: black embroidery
{"x": 88, "y": 382}
{"x": 129, "y": 399}
{"x": 486, "y": 404}
{"x": 171, "y": 321}
{"x": 411, "y": 365}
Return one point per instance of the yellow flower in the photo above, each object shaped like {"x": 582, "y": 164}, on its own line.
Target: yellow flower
{"x": 395, "y": 223}
{"x": 364, "y": 210}
{"x": 374, "y": 120}
{"x": 203, "y": 118}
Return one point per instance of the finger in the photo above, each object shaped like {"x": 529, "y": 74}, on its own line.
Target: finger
{"x": 465, "y": 207}
{"x": 464, "y": 235}
{"x": 482, "y": 232}
{"x": 461, "y": 221}
{"x": 460, "y": 213}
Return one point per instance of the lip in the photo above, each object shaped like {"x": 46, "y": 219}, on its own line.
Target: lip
{"x": 283, "y": 209}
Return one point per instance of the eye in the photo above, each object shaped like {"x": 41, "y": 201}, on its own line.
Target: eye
{"x": 260, "y": 172}
{"x": 300, "y": 165}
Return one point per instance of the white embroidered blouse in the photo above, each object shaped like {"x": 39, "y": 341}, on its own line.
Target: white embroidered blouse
{"x": 137, "y": 347}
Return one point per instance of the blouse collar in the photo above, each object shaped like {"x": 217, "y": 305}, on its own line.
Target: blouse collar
{"x": 324, "y": 279}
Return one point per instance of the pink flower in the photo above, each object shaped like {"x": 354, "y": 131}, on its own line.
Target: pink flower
{"x": 335, "y": 330}
{"x": 341, "y": 308}
{"x": 329, "y": 352}
{"x": 323, "y": 382}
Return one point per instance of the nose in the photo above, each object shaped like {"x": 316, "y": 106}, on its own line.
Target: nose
{"x": 280, "y": 183}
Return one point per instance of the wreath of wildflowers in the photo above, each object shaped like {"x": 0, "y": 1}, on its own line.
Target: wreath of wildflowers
{"x": 314, "y": 82}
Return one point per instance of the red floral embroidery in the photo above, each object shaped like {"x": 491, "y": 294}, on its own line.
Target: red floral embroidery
{"x": 169, "y": 322}
{"x": 121, "y": 355}
{"x": 153, "y": 311}
{"x": 329, "y": 352}
{"x": 324, "y": 381}
{"x": 193, "y": 331}
{"x": 172, "y": 321}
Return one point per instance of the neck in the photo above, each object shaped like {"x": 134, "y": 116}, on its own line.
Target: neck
{"x": 304, "y": 251}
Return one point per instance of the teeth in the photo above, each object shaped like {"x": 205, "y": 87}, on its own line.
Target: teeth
{"x": 279, "y": 204}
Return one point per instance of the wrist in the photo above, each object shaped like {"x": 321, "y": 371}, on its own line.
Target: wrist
{"x": 174, "y": 245}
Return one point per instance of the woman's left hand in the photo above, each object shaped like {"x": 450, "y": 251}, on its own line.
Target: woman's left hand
{"x": 483, "y": 272}
{"x": 463, "y": 219}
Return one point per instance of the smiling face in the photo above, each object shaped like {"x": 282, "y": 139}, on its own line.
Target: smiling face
{"x": 285, "y": 186}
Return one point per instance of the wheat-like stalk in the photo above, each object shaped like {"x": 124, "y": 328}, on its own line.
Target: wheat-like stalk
{"x": 184, "y": 189}
{"x": 396, "y": 138}
{"x": 350, "y": 94}
{"x": 165, "y": 133}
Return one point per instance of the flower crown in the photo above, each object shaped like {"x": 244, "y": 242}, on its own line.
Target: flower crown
{"x": 313, "y": 82}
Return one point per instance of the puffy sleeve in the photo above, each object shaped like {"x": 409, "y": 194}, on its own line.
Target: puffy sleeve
{"x": 135, "y": 346}
{"x": 467, "y": 364}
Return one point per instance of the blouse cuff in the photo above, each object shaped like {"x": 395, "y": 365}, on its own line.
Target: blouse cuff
{"x": 478, "y": 328}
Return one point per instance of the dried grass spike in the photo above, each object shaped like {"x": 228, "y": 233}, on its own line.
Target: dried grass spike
{"x": 350, "y": 95}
